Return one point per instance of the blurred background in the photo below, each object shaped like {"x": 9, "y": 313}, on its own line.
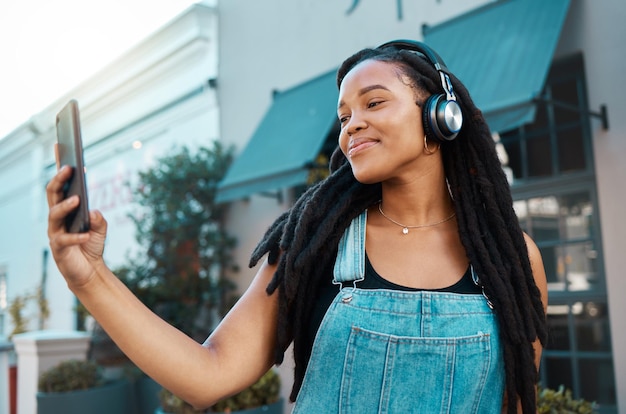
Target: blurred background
{"x": 154, "y": 77}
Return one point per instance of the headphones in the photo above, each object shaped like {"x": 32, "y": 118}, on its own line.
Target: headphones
{"x": 441, "y": 114}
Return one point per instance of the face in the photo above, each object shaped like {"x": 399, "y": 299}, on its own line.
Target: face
{"x": 381, "y": 124}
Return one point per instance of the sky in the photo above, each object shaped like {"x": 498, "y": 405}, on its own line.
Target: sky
{"x": 48, "y": 47}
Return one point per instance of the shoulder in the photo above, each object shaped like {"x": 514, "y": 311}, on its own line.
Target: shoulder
{"x": 536, "y": 264}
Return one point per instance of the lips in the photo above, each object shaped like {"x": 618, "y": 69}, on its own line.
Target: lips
{"x": 357, "y": 145}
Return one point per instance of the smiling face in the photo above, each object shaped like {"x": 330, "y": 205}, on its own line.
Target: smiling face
{"x": 381, "y": 124}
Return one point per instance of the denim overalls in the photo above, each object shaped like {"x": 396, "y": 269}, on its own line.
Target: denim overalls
{"x": 387, "y": 351}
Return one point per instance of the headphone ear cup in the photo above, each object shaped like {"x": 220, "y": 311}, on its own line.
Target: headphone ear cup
{"x": 442, "y": 118}
{"x": 429, "y": 118}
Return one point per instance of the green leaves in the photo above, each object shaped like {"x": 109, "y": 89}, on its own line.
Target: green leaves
{"x": 561, "y": 402}
{"x": 70, "y": 375}
{"x": 264, "y": 392}
{"x": 180, "y": 269}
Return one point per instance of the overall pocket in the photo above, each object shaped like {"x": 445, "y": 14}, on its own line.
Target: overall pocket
{"x": 398, "y": 374}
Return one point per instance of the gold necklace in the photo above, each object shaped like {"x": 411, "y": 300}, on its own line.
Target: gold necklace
{"x": 405, "y": 229}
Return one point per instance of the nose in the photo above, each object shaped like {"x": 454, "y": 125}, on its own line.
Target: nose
{"x": 355, "y": 124}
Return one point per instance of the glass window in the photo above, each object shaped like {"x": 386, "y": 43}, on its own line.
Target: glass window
{"x": 578, "y": 268}
{"x": 597, "y": 381}
{"x": 542, "y": 119}
{"x": 577, "y": 211}
{"x": 565, "y": 92}
{"x": 561, "y": 225}
{"x": 556, "y": 142}
{"x": 553, "y": 184}
{"x": 539, "y": 156}
{"x": 558, "y": 325}
{"x": 592, "y": 328}
{"x": 558, "y": 372}
{"x": 571, "y": 150}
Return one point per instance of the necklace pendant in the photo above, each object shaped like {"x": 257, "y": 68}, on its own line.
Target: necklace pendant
{"x": 405, "y": 230}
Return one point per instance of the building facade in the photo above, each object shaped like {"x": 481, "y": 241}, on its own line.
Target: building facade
{"x": 542, "y": 72}
{"x": 260, "y": 76}
{"x": 157, "y": 97}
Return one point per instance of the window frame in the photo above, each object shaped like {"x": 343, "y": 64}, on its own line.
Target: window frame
{"x": 560, "y": 184}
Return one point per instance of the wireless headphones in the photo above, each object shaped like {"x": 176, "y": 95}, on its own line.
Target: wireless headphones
{"x": 441, "y": 114}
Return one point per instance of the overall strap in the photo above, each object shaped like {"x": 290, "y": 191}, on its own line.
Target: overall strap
{"x": 350, "y": 263}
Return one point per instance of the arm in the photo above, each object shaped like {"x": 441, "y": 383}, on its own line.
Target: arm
{"x": 238, "y": 352}
{"x": 539, "y": 275}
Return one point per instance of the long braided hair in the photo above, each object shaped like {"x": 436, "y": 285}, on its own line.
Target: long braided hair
{"x": 304, "y": 240}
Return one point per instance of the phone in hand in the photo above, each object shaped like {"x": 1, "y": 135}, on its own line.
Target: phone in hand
{"x": 70, "y": 153}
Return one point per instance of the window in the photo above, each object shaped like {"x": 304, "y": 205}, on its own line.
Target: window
{"x": 550, "y": 166}
{"x": 557, "y": 143}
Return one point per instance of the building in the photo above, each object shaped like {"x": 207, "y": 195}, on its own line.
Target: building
{"x": 158, "y": 96}
{"x": 544, "y": 74}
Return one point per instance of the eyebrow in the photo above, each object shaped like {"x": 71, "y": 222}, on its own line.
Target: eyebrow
{"x": 365, "y": 90}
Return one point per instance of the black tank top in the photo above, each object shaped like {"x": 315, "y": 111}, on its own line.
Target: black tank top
{"x": 327, "y": 292}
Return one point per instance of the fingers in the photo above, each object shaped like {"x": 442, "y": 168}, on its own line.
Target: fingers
{"x": 54, "y": 189}
{"x": 58, "y": 212}
{"x": 60, "y": 240}
{"x": 57, "y": 234}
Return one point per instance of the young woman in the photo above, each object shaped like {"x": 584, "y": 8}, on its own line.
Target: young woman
{"x": 403, "y": 280}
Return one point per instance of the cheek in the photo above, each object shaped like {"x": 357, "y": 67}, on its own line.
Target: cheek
{"x": 342, "y": 141}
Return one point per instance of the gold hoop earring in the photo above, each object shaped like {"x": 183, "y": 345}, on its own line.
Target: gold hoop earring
{"x": 428, "y": 150}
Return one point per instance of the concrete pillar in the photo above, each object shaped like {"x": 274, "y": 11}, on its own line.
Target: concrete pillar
{"x": 38, "y": 351}
{"x": 6, "y": 348}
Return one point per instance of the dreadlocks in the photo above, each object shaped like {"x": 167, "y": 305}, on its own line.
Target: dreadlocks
{"x": 304, "y": 240}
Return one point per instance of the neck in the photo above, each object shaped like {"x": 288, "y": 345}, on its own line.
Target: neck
{"x": 424, "y": 199}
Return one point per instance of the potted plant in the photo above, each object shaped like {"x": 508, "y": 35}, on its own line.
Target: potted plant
{"x": 180, "y": 269}
{"x": 184, "y": 255}
{"x": 262, "y": 397}
{"x": 560, "y": 401}
{"x": 77, "y": 387}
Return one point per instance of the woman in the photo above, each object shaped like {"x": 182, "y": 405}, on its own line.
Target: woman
{"x": 403, "y": 280}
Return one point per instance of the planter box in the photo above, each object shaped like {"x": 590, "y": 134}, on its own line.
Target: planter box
{"x": 146, "y": 395}
{"x": 276, "y": 408}
{"x": 116, "y": 397}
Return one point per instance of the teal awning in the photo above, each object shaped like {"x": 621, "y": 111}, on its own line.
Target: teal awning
{"x": 502, "y": 53}
{"x": 286, "y": 143}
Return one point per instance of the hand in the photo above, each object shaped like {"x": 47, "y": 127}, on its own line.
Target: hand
{"x": 77, "y": 255}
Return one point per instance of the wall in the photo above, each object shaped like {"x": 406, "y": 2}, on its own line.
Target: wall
{"x": 160, "y": 94}
{"x": 274, "y": 45}
{"x": 596, "y": 29}
{"x": 280, "y": 43}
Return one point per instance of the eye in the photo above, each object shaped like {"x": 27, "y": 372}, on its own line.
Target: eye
{"x": 374, "y": 104}
{"x": 343, "y": 119}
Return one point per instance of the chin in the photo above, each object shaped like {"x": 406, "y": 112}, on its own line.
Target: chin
{"x": 366, "y": 178}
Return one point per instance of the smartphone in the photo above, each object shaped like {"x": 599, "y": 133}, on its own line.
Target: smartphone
{"x": 70, "y": 152}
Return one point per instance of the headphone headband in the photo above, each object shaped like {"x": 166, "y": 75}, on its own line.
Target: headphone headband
{"x": 421, "y": 48}
{"x": 442, "y": 114}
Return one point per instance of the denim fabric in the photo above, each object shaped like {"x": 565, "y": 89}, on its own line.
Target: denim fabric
{"x": 387, "y": 351}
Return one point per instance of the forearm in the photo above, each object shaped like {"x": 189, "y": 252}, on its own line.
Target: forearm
{"x": 166, "y": 354}
{"x": 236, "y": 354}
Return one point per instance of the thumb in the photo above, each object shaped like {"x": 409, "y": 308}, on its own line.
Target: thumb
{"x": 98, "y": 223}
{"x": 94, "y": 247}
